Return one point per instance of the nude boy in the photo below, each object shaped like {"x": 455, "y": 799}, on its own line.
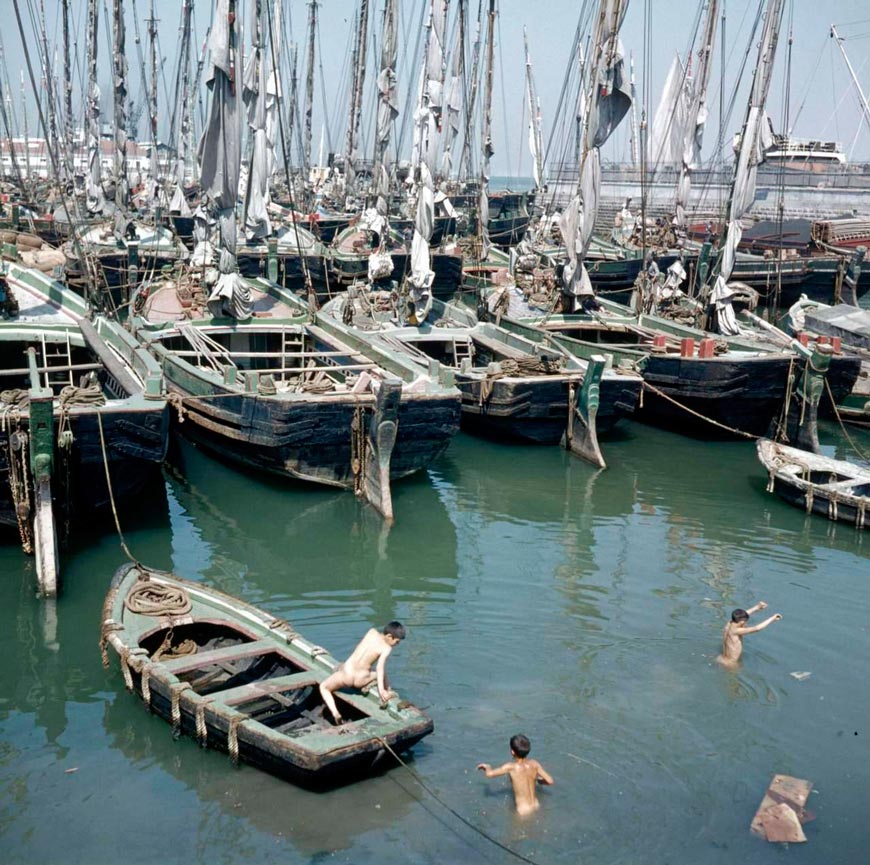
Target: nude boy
{"x": 356, "y": 671}
{"x": 736, "y": 629}
{"x": 524, "y": 772}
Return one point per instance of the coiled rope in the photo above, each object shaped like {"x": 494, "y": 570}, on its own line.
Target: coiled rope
{"x": 154, "y": 599}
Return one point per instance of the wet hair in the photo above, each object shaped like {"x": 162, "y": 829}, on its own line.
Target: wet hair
{"x": 395, "y": 629}
{"x": 520, "y": 745}
{"x": 739, "y": 616}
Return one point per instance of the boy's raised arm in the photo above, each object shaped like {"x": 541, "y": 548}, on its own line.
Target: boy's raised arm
{"x": 761, "y": 605}
{"x": 754, "y": 629}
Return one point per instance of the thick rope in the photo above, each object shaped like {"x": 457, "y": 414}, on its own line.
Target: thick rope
{"x": 656, "y": 391}
{"x": 146, "y": 685}
{"x": 152, "y": 599}
{"x": 125, "y": 669}
{"x": 201, "y": 729}
{"x": 124, "y": 546}
{"x": 233, "y": 738}
{"x": 175, "y": 690}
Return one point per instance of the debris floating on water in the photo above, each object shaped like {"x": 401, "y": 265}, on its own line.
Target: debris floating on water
{"x": 800, "y": 675}
{"x": 782, "y": 811}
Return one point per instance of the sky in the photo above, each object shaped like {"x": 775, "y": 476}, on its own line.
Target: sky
{"x": 821, "y": 99}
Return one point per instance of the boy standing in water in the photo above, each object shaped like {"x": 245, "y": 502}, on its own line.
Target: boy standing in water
{"x": 356, "y": 671}
{"x": 524, "y": 774}
{"x": 736, "y": 629}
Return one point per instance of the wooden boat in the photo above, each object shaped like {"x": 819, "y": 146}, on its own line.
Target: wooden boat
{"x": 240, "y": 680}
{"x": 285, "y": 258}
{"x": 836, "y": 489}
{"x": 696, "y": 383}
{"x": 72, "y": 386}
{"x": 300, "y": 398}
{"x": 512, "y": 387}
{"x": 847, "y": 327}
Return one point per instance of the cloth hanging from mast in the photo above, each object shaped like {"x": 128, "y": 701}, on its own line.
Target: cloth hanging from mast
{"x": 453, "y": 105}
{"x": 669, "y": 122}
{"x": 261, "y": 95}
{"x": 609, "y": 102}
{"x": 220, "y": 161}
{"x": 388, "y": 105}
{"x": 95, "y": 197}
{"x": 755, "y": 139}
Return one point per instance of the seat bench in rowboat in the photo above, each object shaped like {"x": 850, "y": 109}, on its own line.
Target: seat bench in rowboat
{"x": 237, "y": 679}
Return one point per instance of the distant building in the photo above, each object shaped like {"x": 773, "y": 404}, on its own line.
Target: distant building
{"x": 32, "y": 156}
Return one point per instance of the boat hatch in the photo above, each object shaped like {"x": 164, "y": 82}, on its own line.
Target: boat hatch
{"x": 204, "y": 636}
{"x": 295, "y": 711}
{"x": 861, "y": 490}
{"x": 824, "y": 476}
{"x": 226, "y": 669}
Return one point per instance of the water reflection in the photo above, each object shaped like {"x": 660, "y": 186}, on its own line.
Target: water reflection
{"x": 236, "y": 803}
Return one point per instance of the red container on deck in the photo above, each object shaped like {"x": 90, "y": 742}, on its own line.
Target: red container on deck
{"x": 837, "y": 343}
{"x": 660, "y": 340}
{"x": 823, "y": 340}
{"x": 687, "y": 347}
{"x": 804, "y": 338}
{"x": 706, "y": 348}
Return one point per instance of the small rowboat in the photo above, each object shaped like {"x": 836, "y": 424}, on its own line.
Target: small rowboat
{"x": 837, "y": 489}
{"x": 240, "y": 680}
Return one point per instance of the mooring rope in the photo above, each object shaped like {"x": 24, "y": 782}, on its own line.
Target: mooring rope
{"x": 849, "y": 438}
{"x": 655, "y": 390}
{"x": 455, "y": 813}
{"x": 124, "y": 546}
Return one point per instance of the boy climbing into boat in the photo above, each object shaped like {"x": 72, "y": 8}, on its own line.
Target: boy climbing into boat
{"x": 524, "y": 772}
{"x": 356, "y": 671}
{"x": 736, "y": 629}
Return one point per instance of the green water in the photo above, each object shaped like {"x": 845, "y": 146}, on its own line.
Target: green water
{"x": 582, "y": 608}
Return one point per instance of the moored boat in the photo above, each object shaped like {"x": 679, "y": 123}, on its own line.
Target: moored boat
{"x": 240, "y": 680}
{"x": 837, "y": 489}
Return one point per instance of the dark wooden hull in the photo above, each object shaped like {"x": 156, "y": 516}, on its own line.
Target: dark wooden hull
{"x": 311, "y": 440}
{"x": 136, "y": 442}
{"x": 344, "y": 269}
{"x": 536, "y": 410}
{"x": 290, "y": 270}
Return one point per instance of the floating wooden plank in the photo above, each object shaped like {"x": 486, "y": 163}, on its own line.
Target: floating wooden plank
{"x": 785, "y": 794}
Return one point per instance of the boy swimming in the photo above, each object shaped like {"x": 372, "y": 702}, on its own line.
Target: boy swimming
{"x": 524, "y": 773}
{"x": 736, "y": 629}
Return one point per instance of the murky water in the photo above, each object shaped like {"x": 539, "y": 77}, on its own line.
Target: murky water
{"x": 582, "y": 608}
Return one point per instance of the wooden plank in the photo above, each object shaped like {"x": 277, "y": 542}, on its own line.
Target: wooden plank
{"x": 793, "y": 793}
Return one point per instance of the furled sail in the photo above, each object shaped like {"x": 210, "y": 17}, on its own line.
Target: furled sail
{"x": 220, "y": 161}
{"x": 536, "y": 138}
{"x": 608, "y": 102}
{"x": 94, "y": 183}
{"x": 388, "y": 104}
{"x": 670, "y": 118}
{"x": 754, "y": 140}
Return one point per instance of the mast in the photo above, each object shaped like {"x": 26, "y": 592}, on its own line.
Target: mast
{"x": 94, "y": 183}
{"x": 119, "y": 63}
{"x": 864, "y": 105}
{"x": 13, "y": 153}
{"x": 67, "y": 89}
{"x": 750, "y": 153}
{"x": 26, "y": 132}
{"x": 428, "y": 121}
{"x": 471, "y": 102}
{"x": 154, "y": 164}
{"x": 52, "y": 140}
{"x": 697, "y": 115}
{"x": 635, "y": 154}
{"x": 179, "y": 202}
{"x": 309, "y": 84}
{"x": 388, "y": 105}
{"x": 486, "y": 139}
{"x": 607, "y": 102}
{"x": 536, "y": 139}
{"x": 358, "y": 62}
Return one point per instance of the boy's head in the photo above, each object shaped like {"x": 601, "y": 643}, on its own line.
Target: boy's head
{"x": 520, "y": 745}
{"x": 739, "y": 616}
{"x": 395, "y": 632}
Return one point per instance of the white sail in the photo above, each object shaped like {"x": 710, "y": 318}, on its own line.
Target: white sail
{"x": 669, "y": 120}
{"x": 388, "y": 104}
{"x": 453, "y": 106}
{"x": 536, "y": 138}
{"x": 95, "y": 201}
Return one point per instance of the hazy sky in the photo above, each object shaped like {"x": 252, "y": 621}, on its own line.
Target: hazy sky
{"x": 823, "y": 102}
